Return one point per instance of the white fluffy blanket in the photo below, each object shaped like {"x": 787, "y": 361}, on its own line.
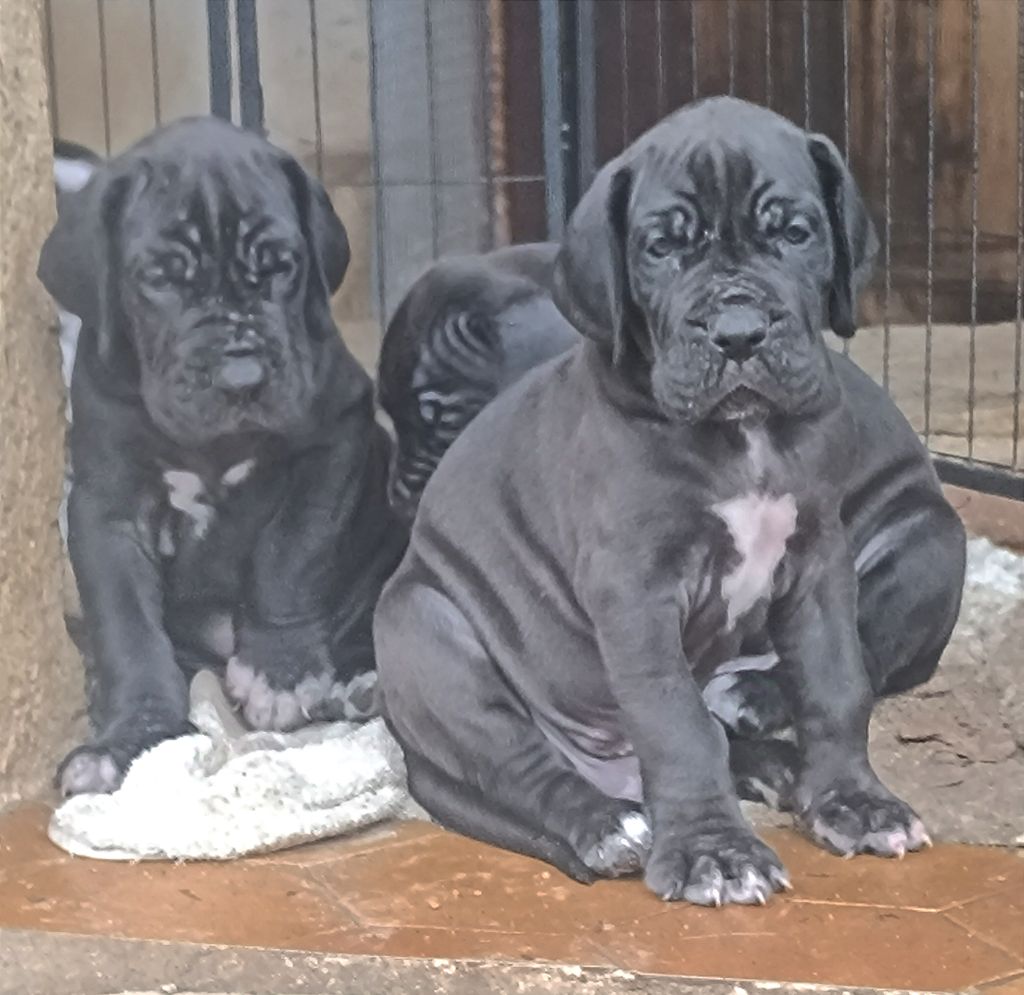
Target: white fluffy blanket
{"x": 226, "y": 792}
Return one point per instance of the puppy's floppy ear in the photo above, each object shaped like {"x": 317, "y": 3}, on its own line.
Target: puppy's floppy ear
{"x": 591, "y": 281}
{"x": 325, "y": 236}
{"x": 78, "y": 262}
{"x": 854, "y": 242}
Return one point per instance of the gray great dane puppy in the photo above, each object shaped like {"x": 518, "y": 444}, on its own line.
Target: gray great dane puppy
{"x": 701, "y": 496}
{"x": 468, "y": 329}
{"x": 228, "y": 503}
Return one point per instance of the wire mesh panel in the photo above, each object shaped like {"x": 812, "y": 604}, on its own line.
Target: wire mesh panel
{"x": 422, "y": 117}
{"x": 935, "y": 145}
{"x": 443, "y": 126}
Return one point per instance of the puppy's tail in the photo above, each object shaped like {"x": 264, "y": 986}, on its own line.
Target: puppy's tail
{"x": 466, "y": 810}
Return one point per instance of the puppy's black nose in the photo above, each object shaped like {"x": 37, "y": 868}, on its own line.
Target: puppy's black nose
{"x": 738, "y": 331}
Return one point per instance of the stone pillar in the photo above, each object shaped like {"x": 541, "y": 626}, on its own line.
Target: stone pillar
{"x": 40, "y": 683}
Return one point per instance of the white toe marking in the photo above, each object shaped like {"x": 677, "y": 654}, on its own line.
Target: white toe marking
{"x": 637, "y": 829}
{"x": 760, "y": 527}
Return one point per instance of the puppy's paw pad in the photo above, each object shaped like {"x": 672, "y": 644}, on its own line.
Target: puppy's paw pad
{"x": 89, "y": 771}
{"x": 622, "y": 851}
{"x": 719, "y": 869}
{"x": 854, "y": 822}
{"x": 275, "y": 709}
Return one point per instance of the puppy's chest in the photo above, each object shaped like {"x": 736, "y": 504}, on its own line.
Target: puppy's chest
{"x": 206, "y": 514}
{"x": 754, "y": 521}
{"x": 758, "y": 527}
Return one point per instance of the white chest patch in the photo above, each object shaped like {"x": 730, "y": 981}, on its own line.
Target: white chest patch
{"x": 187, "y": 494}
{"x": 760, "y": 527}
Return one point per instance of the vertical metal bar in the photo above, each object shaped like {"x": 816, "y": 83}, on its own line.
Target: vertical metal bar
{"x": 486, "y": 111}
{"x": 586, "y": 93}
{"x": 435, "y": 159}
{"x": 805, "y": 23}
{"x": 694, "y": 61}
{"x": 250, "y": 91}
{"x": 930, "y": 262}
{"x": 846, "y": 79}
{"x": 154, "y": 54}
{"x": 101, "y": 27}
{"x": 886, "y": 318}
{"x": 220, "y": 58}
{"x": 769, "y": 96}
{"x": 51, "y": 67}
{"x": 972, "y": 358}
{"x": 660, "y": 33}
{"x": 846, "y": 103}
{"x": 1018, "y": 344}
{"x": 553, "y": 114}
{"x": 731, "y": 29}
{"x": 624, "y": 32}
{"x": 318, "y": 122}
{"x": 379, "y": 218}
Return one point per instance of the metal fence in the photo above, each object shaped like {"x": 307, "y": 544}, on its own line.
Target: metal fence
{"x": 446, "y": 126}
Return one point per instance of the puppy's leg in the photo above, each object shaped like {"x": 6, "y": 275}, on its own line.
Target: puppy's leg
{"x": 841, "y": 802}
{"x": 139, "y": 695}
{"x": 910, "y": 578}
{"x": 476, "y": 759}
{"x": 704, "y": 850}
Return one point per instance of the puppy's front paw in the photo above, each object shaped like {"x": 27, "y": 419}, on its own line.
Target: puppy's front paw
{"x": 718, "y": 867}
{"x": 100, "y": 766}
{"x": 89, "y": 770}
{"x": 621, "y": 847}
{"x": 276, "y": 708}
{"x": 852, "y": 819}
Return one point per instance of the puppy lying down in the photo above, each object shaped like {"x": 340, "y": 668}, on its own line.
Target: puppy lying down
{"x": 467, "y": 329}
{"x": 700, "y": 509}
{"x": 228, "y": 508}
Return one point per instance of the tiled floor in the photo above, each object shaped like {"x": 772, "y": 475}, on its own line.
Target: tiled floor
{"x": 944, "y": 920}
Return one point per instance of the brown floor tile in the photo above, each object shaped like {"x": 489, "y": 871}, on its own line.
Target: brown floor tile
{"x": 794, "y": 941}
{"x": 998, "y": 919}
{"x": 237, "y": 903}
{"x": 938, "y": 878}
{"x": 447, "y": 881}
{"x": 23, "y": 837}
{"x": 467, "y": 944}
{"x": 1006, "y": 986}
{"x": 377, "y": 837}
{"x": 417, "y": 891}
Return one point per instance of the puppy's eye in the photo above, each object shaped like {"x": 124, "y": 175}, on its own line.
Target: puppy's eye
{"x": 796, "y": 232}
{"x": 431, "y": 410}
{"x": 659, "y": 247}
{"x": 681, "y": 230}
{"x": 167, "y": 269}
{"x": 270, "y": 260}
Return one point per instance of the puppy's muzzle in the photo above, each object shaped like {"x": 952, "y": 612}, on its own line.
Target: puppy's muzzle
{"x": 737, "y": 331}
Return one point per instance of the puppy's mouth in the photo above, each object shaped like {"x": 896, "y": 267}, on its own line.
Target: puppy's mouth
{"x": 742, "y": 404}
{"x": 243, "y": 368}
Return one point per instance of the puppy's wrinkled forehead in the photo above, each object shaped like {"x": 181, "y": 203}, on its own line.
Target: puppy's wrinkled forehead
{"x": 722, "y": 153}
{"x": 213, "y": 203}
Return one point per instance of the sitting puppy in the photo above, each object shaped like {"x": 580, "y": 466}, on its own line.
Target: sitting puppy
{"x": 701, "y": 497}
{"x": 229, "y": 493}
{"x": 467, "y": 329}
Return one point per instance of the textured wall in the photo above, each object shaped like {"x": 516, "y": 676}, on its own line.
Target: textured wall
{"x": 40, "y": 683}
